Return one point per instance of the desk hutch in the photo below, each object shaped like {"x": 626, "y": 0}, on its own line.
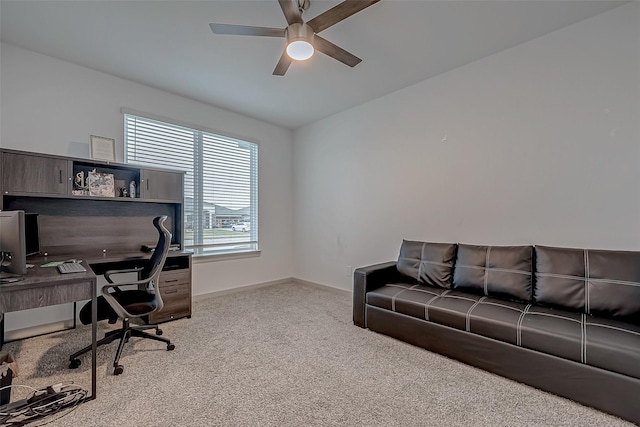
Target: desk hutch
{"x": 107, "y": 232}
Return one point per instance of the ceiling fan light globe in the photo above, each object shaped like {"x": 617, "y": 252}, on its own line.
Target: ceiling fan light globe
{"x": 300, "y": 50}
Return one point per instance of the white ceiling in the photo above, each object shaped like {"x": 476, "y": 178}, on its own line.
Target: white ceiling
{"x": 169, "y": 45}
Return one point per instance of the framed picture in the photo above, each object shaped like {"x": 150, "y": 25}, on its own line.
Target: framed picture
{"x": 101, "y": 184}
{"x": 103, "y": 148}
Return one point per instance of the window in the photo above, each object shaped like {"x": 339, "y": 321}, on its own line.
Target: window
{"x": 221, "y": 181}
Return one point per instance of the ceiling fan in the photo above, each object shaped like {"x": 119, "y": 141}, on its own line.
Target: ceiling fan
{"x": 302, "y": 37}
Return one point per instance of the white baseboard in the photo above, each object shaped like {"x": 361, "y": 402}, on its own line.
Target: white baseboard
{"x": 18, "y": 334}
{"x": 207, "y": 295}
{"x": 321, "y": 286}
{"x": 294, "y": 280}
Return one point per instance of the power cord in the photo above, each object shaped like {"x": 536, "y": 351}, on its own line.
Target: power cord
{"x": 54, "y": 399}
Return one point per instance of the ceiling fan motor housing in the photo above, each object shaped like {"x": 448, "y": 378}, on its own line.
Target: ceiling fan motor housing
{"x": 299, "y": 38}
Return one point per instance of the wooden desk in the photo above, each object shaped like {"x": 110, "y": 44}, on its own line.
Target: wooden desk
{"x": 44, "y": 287}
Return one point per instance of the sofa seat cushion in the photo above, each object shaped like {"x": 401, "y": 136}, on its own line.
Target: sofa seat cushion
{"x": 497, "y": 319}
{"x": 405, "y": 298}
{"x": 613, "y": 345}
{"x": 438, "y": 305}
{"x": 599, "y": 342}
{"x": 453, "y": 309}
{"x": 553, "y": 331}
{"x": 491, "y": 317}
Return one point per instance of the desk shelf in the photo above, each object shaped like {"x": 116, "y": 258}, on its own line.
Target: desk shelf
{"x": 9, "y": 194}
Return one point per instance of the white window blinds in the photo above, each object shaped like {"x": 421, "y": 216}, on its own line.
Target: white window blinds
{"x": 221, "y": 181}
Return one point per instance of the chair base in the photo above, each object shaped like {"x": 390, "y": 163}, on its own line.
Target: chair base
{"x": 123, "y": 334}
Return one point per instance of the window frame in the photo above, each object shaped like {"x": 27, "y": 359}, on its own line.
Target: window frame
{"x": 200, "y": 249}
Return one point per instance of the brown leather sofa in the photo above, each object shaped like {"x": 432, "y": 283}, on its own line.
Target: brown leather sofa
{"x": 563, "y": 320}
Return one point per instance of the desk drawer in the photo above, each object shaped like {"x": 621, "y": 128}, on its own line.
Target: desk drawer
{"x": 175, "y": 277}
{"x": 177, "y": 303}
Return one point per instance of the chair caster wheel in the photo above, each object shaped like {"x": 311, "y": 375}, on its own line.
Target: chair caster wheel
{"x": 170, "y": 347}
{"x": 158, "y": 331}
{"x": 118, "y": 370}
{"x": 74, "y": 363}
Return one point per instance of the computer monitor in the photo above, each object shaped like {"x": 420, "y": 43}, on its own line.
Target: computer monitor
{"x": 31, "y": 233}
{"x": 13, "y": 252}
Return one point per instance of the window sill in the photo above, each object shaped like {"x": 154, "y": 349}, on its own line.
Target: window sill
{"x": 198, "y": 259}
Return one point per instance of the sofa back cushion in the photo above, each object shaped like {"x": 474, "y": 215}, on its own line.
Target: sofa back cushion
{"x": 428, "y": 263}
{"x": 497, "y": 271}
{"x": 594, "y": 281}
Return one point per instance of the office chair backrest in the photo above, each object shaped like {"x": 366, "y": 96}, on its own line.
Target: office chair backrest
{"x": 156, "y": 262}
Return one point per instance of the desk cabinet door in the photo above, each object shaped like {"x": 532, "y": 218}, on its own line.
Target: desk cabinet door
{"x": 161, "y": 185}
{"x": 34, "y": 174}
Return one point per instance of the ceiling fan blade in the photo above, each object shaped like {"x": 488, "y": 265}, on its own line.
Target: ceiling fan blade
{"x": 336, "y": 52}
{"x": 244, "y": 30}
{"x": 338, "y": 13}
{"x": 283, "y": 64}
{"x": 290, "y": 10}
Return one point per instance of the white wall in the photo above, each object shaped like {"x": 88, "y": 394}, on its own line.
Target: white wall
{"x": 537, "y": 144}
{"x": 52, "y": 106}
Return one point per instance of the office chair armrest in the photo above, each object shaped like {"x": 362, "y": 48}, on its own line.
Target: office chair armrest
{"x": 116, "y": 285}
{"x": 107, "y": 274}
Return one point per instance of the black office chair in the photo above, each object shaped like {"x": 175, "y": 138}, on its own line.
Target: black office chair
{"x": 116, "y": 303}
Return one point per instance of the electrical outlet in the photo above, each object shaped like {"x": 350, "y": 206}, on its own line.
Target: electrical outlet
{"x": 349, "y": 270}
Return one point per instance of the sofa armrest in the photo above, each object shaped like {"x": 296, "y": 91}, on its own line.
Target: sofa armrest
{"x": 368, "y": 278}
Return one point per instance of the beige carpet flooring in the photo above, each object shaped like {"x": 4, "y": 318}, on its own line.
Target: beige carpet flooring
{"x": 285, "y": 355}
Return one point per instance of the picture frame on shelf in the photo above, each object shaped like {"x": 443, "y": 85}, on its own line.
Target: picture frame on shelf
{"x": 102, "y": 148}
{"x": 101, "y": 184}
